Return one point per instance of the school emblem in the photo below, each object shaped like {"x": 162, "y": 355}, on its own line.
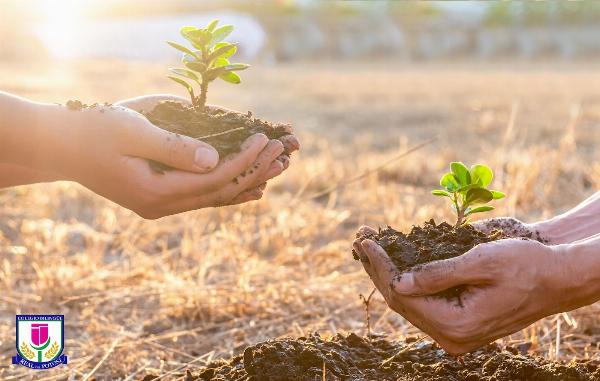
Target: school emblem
{"x": 40, "y": 341}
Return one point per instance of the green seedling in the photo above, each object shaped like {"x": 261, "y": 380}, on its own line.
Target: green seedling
{"x": 207, "y": 60}
{"x": 467, "y": 189}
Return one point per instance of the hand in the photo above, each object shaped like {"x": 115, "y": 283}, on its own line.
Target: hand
{"x": 509, "y": 285}
{"x": 106, "y": 149}
{"x": 121, "y": 172}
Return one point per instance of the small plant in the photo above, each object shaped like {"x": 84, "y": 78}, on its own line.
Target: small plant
{"x": 207, "y": 61}
{"x": 467, "y": 189}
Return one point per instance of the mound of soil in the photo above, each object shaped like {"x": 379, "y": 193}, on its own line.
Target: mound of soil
{"x": 429, "y": 243}
{"x": 225, "y": 130}
{"x": 354, "y": 358}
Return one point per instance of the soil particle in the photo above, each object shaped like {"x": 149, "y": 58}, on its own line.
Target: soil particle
{"x": 429, "y": 243}
{"x": 223, "y": 129}
{"x": 77, "y": 105}
{"x": 353, "y": 358}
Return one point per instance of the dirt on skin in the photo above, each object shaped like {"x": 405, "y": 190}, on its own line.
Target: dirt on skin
{"x": 225, "y": 130}
{"x": 353, "y": 358}
{"x": 429, "y": 243}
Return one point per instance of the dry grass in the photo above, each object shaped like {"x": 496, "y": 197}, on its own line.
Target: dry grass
{"x": 157, "y": 296}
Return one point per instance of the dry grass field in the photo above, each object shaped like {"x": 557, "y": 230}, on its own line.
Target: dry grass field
{"x": 159, "y": 296}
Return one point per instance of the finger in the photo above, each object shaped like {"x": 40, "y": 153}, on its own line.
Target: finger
{"x": 357, "y": 248}
{"x": 249, "y": 180}
{"x": 260, "y": 169}
{"x": 225, "y": 173}
{"x": 148, "y": 102}
{"x": 365, "y": 231}
{"x": 290, "y": 142}
{"x": 182, "y": 152}
{"x": 437, "y": 276}
{"x": 284, "y": 160}
{"x": 275, "y": 169}
{"x": 246, "y": 196}
{"x": 382, "y": 267}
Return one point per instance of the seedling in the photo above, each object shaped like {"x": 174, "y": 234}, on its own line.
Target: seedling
{"x": 206, "y": 61}
{"x": 467, "y": 189}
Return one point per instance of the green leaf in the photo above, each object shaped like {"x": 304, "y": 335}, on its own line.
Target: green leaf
{"x": 185, "y": 84}
{"x": 223, "y": 50}
{"x": 467, "y": 187}
{"x": 461, "y": 173}
{"x": 237, "y": 67}
{"x": 185, "y": 30}
{"x": 212, "y": 25}
{"x": 478, "y": 196}
{"x": 220, "y": 62}
{"x": 479, "y": 209}
{"x": 187, "y": 73}
{"x": 482, "y": 174}
{"x": 183, "y": 49}
{"x": 221, "y": 33}
{"x": 449, "y": 182}
{"x": 214, "y": 73}
{"x": 231, "y": 77}
{"x": 497, "y": 194}
{"x": 440, "y": 192}
{"x": 198, "y": 67}
{"x": 198, "y": 37}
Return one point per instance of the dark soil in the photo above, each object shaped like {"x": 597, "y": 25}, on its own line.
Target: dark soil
{"x": 354, "y": 358}
{"x": 429, "y": 243}
{"x": 223, "y": 129}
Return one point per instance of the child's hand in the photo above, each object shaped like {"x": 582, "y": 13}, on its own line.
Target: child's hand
{"x": 106, "y": 149}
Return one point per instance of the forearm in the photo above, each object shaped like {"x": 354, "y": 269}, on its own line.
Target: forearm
{"x": 580, "y": 273}
{"x": 13, "y": 175}
{"x": 31, "y": 134}
{"x": 578, "y": 223}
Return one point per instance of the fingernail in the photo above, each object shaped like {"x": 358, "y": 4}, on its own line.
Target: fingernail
{"x": 206, "y": 157}
{"x": 405, "y": 283}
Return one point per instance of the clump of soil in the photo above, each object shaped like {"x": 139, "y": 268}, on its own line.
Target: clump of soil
{"x": 353, "y": 358}
{"x": 225, "y": 130}
{"x": 429, "y": 243}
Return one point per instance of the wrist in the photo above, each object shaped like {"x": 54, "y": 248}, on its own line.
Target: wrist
{"x": 575, "y": 279}
{"x": 551, "y": 231}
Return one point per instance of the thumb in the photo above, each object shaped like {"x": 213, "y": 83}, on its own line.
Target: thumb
{"x": 178, "y": 151}
{"x": 438, "y": 276}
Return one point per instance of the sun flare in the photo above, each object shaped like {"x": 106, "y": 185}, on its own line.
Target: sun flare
{"x": 61, "y": 25}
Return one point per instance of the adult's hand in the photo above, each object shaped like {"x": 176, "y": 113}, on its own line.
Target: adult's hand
{"x": 509, "y": 285}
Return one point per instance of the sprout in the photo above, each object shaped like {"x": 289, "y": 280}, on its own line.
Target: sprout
{"x": 467, "y": 189}
{"x": 207, "y": 61}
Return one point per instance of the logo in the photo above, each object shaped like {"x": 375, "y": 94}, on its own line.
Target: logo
{"x": 40, "y": 341}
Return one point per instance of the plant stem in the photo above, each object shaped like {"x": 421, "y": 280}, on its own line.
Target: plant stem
{"x": 202, "y": 98}
{"x": 461, "y": 217}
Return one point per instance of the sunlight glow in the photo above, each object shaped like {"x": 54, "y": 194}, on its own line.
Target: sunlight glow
{"x": 61, "y": 26}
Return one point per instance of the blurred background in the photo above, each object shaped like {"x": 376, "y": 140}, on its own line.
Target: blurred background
{"x": 515, "y": 85}
{"x": 311, "y": 30}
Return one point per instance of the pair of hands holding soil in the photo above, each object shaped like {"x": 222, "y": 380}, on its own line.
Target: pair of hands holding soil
{"x": 107, "y": 148}
{"x": 508, "y": 284}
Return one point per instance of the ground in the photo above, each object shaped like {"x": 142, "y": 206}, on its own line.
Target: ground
{"x": 145, "y": 297}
